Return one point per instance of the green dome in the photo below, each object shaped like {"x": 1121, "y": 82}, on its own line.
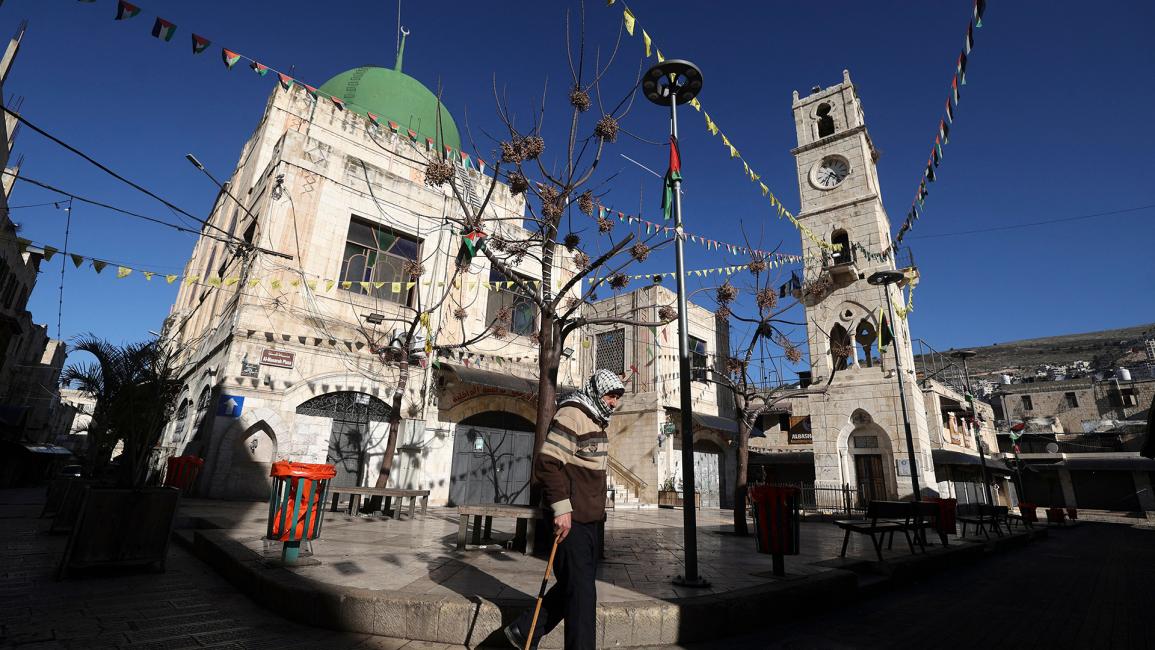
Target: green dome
{"x": 393, "y": 95}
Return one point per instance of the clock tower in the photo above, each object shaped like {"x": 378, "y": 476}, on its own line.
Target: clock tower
{"x": 857, "y": 424}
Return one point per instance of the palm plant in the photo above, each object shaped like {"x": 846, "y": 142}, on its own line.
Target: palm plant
{"x": 135, "y": 391}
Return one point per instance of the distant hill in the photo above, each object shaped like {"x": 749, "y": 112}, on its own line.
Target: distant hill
{"x": 1106, "y": 349}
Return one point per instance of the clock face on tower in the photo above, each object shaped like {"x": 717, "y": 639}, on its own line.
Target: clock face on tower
{"x": 830, "y": 172}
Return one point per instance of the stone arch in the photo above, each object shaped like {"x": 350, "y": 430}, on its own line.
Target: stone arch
{"x": 840, "y": 347}
{"x": 520, "y": 406}
{"x": 842, "y": 255}
{"x": 335, "y": 382}
{"x": 865, "y": 334}
{"x": 824, "y": 120}
{"x": 861, "y": 423}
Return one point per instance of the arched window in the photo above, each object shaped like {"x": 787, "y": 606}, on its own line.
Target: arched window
{"x": 840, "y": 348}
{"x": 842, "y": 255}
{"x": 825, "y": 121}
{"x": 865, "y": 334}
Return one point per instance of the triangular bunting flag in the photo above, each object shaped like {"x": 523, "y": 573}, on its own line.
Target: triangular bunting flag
{"x": 163, "y": 29}
{"x": 49, "y": 252}
{"x": 147, "y": 275}
{"x": 126, "y": 10}
{"x": 230, "y": 58}
{"x": 77, "y": 260}
{"x": 98, "y": 265}
{"x": 338, "y": 102}
{"x": 259, "y": 68}
{"x": 200, "y": 44}
{"x": 286, "y": 80}
{"x": 170, "y": 278}
{"x": 628, "y": 18}
{"x": 123, "y": 272}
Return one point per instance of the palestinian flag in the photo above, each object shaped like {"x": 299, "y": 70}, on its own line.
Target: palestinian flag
{"x": 673, "y": 175}
{"x": 970, "y": 42}
{"x": 200, "y": 44}
{"x": 929, "y": 171}
{"x": 961, "y": 67}
{"x": 312, "y": 90}
{"x": 230, "y": 58}
{"x": 286, "y": 80}
{"x": 373, "y": 118}
{"x": 949, "y": 113}
{"x": 393, "y": 126}
{"x": 954, "y": 89}
{"x": 943, "y": 131}
{"x": 980, "y": 7}
{"x": 259, "y": 68}
{"x": 885, "y": 334}
{"x": 338, "y": 102}
{"x": 125, "y": 10}
{"x": 473, "y": 243}
{"x": 163, "y": 29}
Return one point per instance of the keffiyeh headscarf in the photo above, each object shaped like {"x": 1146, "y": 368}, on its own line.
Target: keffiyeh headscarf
{"x": 603, "y": 382}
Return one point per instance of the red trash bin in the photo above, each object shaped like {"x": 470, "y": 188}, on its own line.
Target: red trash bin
{"x": 296, "y": 505}
{"x": 776, "y": 521}
{"x": 1029, "y": 511}
{"x": 1073, "y": 513}
{"x": 947, "y": 511}
{"x": 1056, "y": 516}
{"x": 182, "y": 472}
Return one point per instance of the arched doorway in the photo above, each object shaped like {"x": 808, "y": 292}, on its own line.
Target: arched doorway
{"x": 352, "y": 414}
{"x": 252, "y": 458}
{"x": 492, "y": 457}
{"x": 868, "y": 446}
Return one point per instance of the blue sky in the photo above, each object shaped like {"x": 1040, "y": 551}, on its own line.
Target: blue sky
{"x": 1052, "y": 125}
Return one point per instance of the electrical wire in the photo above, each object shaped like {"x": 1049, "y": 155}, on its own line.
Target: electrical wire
{"x": 108, "y": 171}
{"x": 1034, "y": 223}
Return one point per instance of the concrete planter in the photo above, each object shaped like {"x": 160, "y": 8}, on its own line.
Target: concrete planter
{"x": 121, "y": 527}
{"x": 65, "y": 502}
{"x": 674, "y": 499}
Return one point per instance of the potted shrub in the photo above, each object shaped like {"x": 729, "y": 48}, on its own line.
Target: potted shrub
{"x": 668, "y": 496}
{"x": 120, "y": 521}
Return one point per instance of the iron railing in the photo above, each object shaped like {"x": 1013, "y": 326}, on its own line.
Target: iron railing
{"x": 932, "y": 364}
{"x": 827, "y": 499}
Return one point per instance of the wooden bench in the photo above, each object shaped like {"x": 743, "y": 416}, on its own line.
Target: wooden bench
{"x": 984, "y": 518}
{"x": 927, "y": 515}
{"x": 882, "y": 517}
{"x": 526, "y": 517}
{"x": 387, "y": 495}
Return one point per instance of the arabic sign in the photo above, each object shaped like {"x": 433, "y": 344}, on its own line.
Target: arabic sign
{"x": 799, "y": 432}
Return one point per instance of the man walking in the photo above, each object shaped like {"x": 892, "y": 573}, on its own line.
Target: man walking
{"x": 571, "y": 466}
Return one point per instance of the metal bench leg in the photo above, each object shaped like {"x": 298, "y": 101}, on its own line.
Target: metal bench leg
{"x": 412, "y": 506}
{"x": 906, "y": 534}
{"x": 477, "y": 530}
{"x": 890, "y": 541}
{"x": 488, "y": 528}
{"x": 424, "y": 506}
{"x": 519, "y": 534}
{"x": 397, "y": 508}
{"x": 530, "y": 534}
{"x": 462, "y": 529}
{"x": 877, "y": 545}
{"x": 336, "y": 496}
{"x": 354, "y": 503}
{"x": 845, "y": 541}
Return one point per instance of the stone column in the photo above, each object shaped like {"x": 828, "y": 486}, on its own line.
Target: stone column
{"x": 1068, "y": 488}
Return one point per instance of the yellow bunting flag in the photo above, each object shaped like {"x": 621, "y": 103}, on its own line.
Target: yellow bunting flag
{"x": 147, "y": 275}
{"x": 696, "y": 104}
{"x": 170, "y": 278}
{"x": 275, "y": 284}
{"x": 254, "y": 282}
{"x": 312, "y": 284}
{"x": 647, "y": 41}
{"x": 395, "y": 287}
{"x": 329, "y": 285}
{"x": 346, "y": 285}
{"x": 123, "y": 272}
{"x": 214, "y": 281}
{"x": 188, "y": 279}
{"x": 661, "y": 59}
{"x": 628, "y": 18}
{"x": 231, "y": 281}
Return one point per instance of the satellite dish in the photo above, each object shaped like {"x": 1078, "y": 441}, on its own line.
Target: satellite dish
{"x": 1052, "y": 448}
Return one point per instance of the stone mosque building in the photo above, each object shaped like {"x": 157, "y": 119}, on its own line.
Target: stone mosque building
{"x": 279, "y": 337}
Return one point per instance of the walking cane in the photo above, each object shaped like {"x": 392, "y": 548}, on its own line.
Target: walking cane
{"x": 541, "y": 594}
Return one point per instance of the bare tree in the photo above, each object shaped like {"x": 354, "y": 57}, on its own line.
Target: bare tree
{"x": 753, "y": 399}
{"x": 549, "y": 191}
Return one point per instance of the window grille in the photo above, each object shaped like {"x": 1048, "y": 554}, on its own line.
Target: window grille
{"x": 611, "y": 352}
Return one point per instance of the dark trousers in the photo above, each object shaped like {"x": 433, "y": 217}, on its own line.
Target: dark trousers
{"x": 574, "y": 597}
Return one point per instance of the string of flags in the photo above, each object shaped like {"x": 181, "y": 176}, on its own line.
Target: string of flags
{"x": 700, "y": 273}
{"x": 165, "y": 30}
{"x": 942, "y": 137}
{"x": 630, "y": 20}
{"x": 48, "y": 252}
{"x": 710, "y": 244}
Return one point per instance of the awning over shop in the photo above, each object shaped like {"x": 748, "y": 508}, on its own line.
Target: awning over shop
{"x": 717, "y": 423}
{"x": 950, "y": 457}
{"x": 494, "y": 379}
{"x": 1126, "y": 464}
{"x": 781, "y": 458}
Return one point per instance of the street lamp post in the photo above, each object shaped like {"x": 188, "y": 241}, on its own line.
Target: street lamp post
{"x": 884, "y": 279}
{"x": 670, "y": 83}
{"x": 970, "y": 397}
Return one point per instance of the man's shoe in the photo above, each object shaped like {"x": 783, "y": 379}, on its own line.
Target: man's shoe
{"x": 516, "y": 639}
